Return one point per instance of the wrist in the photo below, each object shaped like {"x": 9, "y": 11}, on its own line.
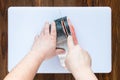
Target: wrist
{"x": 38, "y": 54}
{"x": 84, "y": 73}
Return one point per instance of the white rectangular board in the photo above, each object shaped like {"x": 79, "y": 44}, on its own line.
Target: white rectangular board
{"x": 92, "y": 26}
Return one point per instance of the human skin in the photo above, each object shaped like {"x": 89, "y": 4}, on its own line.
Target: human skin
{"x": 44, "y": 47}
{"x": 78, "y": 61}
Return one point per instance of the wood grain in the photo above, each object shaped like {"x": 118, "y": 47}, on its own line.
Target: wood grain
{"x": 114, "y": 4}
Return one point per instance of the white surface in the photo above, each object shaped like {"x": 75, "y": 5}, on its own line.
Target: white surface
{"x": 92, "y": 26}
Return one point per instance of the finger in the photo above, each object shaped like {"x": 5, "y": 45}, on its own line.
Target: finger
{"x": 42, "y": 31}
{"x": 70, "y": 42}
{"x": 53, "y": 29}
{"x": 73, "y": 32}
{"x": 74, "y": 35}
{"x": 46, "y": 28}
{"x": 60, "y": 51}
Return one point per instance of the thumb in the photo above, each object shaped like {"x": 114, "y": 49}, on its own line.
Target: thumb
{"x": 72, "y": 32}
{"x": 70, "y": 42}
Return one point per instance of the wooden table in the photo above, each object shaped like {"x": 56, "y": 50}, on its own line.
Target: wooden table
{"x": 115, "y": 6}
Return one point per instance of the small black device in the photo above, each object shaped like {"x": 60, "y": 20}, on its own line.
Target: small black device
{"x": 63, "y": 31}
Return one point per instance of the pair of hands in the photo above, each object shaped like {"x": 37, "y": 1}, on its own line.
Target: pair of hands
{"x": 45, "y": 43}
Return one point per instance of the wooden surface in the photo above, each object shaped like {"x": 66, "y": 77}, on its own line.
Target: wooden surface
{"x": 114, "y": 4}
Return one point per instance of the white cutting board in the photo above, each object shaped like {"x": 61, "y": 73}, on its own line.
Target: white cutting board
{"x": 92, "y": 26}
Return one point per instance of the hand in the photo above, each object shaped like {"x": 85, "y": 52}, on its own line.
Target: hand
{"x": 45, "y": 43}
{"x": 77, "y": 58}
{"x": 78, "y": 61}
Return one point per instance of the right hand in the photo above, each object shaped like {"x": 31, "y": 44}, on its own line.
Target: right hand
{"x": 77, "y": 59}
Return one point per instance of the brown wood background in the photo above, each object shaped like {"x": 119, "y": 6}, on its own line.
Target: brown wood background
{"x": 114, "y": 4}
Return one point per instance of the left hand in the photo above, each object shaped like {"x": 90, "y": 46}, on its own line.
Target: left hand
{"x": 45, "y": 43}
